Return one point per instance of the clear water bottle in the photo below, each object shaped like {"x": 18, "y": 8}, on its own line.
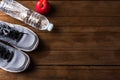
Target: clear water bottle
{"x": 30, "y": 17}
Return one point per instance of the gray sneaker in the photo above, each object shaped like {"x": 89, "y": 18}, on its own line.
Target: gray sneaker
{"x": 19, "y": 36}
{"x": 12, "y": 59}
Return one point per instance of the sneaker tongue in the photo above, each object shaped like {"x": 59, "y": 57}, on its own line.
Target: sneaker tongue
{"x": 15, "y": 35}
{"x": 9, "y": 32}
{"x": 3, "y": 62}
{"x": 5, "y": 54}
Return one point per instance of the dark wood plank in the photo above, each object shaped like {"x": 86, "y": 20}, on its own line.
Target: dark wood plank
{"x": 75, "y": 21}
{"x": 80, "y": 8}
{"x": 71, "y": 0}
{"x": 65, "y": 73}
{"x": 76, "y": 57}
{"x": 86, "y": 21}
{"x": 80, "y": 24}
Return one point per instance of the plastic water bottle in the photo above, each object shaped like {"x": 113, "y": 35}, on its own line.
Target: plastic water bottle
{"x": 30, "y": 17}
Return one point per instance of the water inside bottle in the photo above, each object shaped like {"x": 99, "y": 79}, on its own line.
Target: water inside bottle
{"x": 30, "y": 17}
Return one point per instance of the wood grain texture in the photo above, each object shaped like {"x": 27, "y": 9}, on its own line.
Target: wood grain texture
{"x": 65, "y": 73}
{"x": 70, "y": 0}
{"x": 84, "y": 44}
{"x": 80, "y": 8}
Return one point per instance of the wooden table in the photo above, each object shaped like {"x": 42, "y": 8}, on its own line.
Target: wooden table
{"x": 84, "y": 44}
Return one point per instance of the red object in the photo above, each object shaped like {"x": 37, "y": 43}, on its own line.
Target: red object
{"x": 42, "y": 6}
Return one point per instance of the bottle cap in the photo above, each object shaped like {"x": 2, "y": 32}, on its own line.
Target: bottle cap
{"x": 50, "y": 27}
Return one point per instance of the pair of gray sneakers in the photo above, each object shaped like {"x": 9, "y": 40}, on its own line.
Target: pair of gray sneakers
{"x": 13, "y": 59}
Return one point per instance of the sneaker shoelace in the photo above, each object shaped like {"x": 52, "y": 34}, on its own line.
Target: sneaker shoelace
{"x": 6, "y": 54}
{"x": 9, "y": 32}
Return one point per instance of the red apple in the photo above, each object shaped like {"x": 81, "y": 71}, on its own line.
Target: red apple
{"x": 42, "y": 6}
